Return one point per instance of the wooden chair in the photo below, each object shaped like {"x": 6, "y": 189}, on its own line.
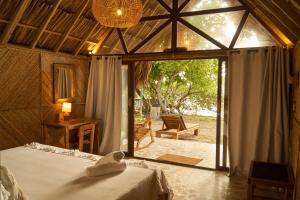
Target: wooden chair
{"x": 174, "y": 125}
{"x": 142, "y": 130}
{"x": 85, "y": 130}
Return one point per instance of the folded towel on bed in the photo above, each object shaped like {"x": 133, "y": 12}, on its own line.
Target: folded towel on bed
{"x": 110, "y": 163}
{"x": 113, "y": 157}
{"x": 10, "y": 184}
{"x": 99, "y": 170}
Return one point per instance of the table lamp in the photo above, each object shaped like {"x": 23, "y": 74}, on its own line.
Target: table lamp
{"x": 66, "y": 109}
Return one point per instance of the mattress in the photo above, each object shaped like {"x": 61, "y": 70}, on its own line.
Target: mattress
{"x": 47, "y": 176}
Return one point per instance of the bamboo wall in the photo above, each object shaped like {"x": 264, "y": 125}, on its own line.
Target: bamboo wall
{"x": 295, "y": 137}
{"x": 26, "y": 95}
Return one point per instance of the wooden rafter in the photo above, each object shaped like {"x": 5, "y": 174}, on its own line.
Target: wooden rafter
{"x": 47, "y": 31}
{"x": 14, "y": 20}
{"x": 150, "y": 36}
{"x": 141, "y": 29}
{"x": 45, "y": 24}
{"x": 212, "y": 11}
{"x": 122, "y": 41}
{"x": 85, "y": 39}
{"x": 182, "y": 6}
{"x": 69, "y": 29}
{"x": 101, "y": 43}
{"x": 290, "y": 11}
{"x": 239, "y": 29}
{"x": 270, "y": 26}
{"x": 201, "y": 33}
{"x": 156, "y": 17}
{"x": 174, "y": 25}
{"x": 161, "y": 2}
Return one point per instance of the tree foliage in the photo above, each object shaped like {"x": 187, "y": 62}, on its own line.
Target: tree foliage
{"x": 183, "y": 85}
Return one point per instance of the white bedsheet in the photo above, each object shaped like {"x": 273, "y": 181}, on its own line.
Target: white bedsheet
{"x": 49, "y": 176}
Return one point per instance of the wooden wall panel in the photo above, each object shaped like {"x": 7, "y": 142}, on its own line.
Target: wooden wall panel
{"x": 20, "y": 126}
{"x": 20, "y": 79}
{"x": 26, "y": 93}
{"x": 20, "y": 97}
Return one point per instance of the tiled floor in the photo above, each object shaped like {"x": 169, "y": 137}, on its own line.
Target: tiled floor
{"x": 197, "y": 184}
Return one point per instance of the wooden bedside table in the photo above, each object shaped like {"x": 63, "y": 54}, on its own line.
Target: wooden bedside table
{"x": 270, "y": 176}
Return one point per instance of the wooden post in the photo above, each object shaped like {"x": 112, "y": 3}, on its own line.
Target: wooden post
{"x": 13, "y": 22}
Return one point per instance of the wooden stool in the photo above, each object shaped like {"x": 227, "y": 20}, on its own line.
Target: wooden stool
{"x": 270, "y": 177}
{"x": 88, "y": 129}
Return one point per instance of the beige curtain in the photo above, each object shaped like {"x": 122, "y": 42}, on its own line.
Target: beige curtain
{"x": 64, "y": 83}
{"x": 104, "y": 100}
{"x": 258, "y": 107}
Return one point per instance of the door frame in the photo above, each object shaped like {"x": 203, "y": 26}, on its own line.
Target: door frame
{"x": 131, "y": 96}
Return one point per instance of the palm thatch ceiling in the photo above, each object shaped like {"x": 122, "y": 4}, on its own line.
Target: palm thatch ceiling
{"x": 69, "y": 26}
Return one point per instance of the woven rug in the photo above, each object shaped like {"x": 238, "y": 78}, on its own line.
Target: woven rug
{"x": 179, "y": 159}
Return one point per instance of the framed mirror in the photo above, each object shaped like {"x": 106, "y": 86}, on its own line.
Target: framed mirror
{"x": 63, "y": 82}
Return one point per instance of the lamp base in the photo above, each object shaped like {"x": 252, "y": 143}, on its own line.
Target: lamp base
{"x": 67, "y": 117}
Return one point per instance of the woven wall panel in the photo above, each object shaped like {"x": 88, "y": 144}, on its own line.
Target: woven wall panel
{"x": 19, "y": 79}
{"x": 20, "y": 97}
{"x": 18, "y": 127}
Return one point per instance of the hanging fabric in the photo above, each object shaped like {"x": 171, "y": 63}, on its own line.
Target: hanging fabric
{"x": 104, "y": 100}
{"x": 258, "y": 107}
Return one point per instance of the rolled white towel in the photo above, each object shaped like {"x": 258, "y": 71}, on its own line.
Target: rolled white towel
{"x": 113, "y": 157}
{"x": 103, "y": 169}
{"x": 9, "y": 182}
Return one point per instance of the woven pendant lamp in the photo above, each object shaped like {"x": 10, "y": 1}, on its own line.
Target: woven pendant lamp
{"x": 117, "y": 13}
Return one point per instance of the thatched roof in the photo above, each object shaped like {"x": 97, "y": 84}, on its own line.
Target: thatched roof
{"x": 69, "y": 26}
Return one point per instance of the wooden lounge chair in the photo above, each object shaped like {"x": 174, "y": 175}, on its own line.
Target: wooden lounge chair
{"x": 174, "y": 125}
{"x": 141, "y": 131}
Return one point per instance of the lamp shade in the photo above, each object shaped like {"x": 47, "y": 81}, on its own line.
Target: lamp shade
{"x": 117, "y": 13}
{"x": 66, "y": 107}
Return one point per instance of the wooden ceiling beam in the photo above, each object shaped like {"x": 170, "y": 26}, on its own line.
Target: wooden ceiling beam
{"x": 72, "y": 24}
{"x": 281, "y": 16}
{"x": 156, "y": 17}
{"x": 85, "y": 39}
{"x": 268, "y": 20}
{"x": 101, "y": 43}
{"x": 239, "y": 29}
{"x": 122, "y": 41}
{"x": 161, "y": 2}
{"x": 289, "y": 10}
{"x": 182, "y": 6}
{"x": 141, "y": 29}
{"x": 45, "y": 24}
{"x": 149, "y": 37}
{"x": 201, "y": 33}
{"x": 174, "y": 19}
{"x": 212, "y": 11}
{"x": 14, "y": 20}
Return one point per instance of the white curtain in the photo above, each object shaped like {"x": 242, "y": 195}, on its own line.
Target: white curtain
{"x": 258, "y": 107}
{"x": 104, "y": 100}
{"x": 65, "y": 83}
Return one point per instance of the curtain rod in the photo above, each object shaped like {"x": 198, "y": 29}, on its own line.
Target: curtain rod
{"x": 254, "y": 49}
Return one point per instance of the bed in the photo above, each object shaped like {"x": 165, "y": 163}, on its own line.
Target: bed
{"x": 51, "y": 175}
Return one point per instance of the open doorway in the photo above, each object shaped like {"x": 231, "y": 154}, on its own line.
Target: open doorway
{"x": 178, "y": 112}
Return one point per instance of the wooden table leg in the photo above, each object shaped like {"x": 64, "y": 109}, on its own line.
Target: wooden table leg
{"x": 67, "y": 137}
{"x": 250, "y": 191}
